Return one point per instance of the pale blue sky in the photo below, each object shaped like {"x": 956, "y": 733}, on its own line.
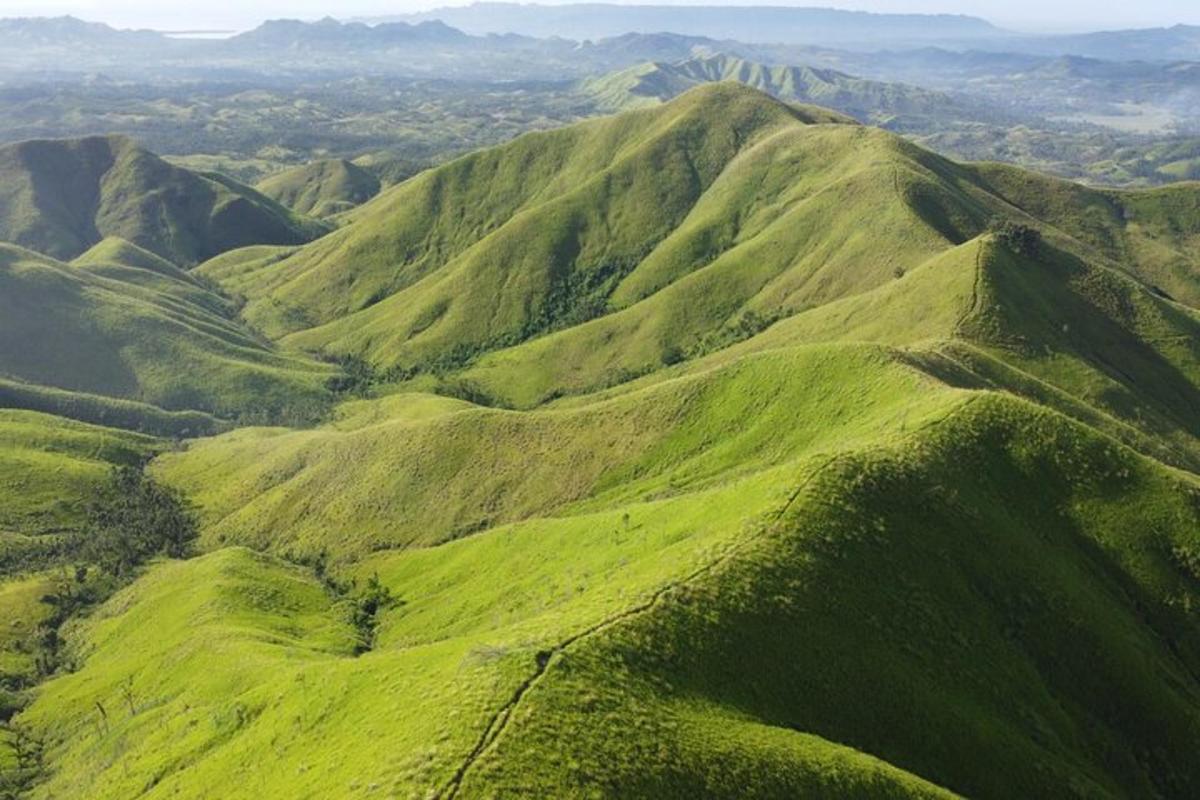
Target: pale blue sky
{"x": 1057, "y": 15}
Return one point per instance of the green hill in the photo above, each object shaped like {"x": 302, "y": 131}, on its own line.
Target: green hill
{"x": 545, "y": 227}
{"x": 322, "y": 188}
{"x": 798, "y": 629}
{"x": 61, "y": 197}
{"x": 875, "y": 101}
{"x": 723, "y": 448}
{"x": 526, "y": 290}
{"x": 148, "y": 335}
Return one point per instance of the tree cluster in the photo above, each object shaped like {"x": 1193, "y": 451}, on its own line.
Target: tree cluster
{"x": 1022, "y": 239}
{"x": 131, "y": 519}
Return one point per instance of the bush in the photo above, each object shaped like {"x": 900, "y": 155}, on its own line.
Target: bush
{"x": 365, "y": 607}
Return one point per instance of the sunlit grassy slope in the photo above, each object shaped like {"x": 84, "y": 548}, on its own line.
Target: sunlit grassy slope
{"x": 425, "y": 480}
{"x": 808, "y": 485}
{"x": 574, "y": 260}
{"x": 143, "y": 333}
{"x": 996, "y": 603}
{"x": 49, "y": 467}
{"x": 323, "y": 188}
{"x": 60, "y": 197}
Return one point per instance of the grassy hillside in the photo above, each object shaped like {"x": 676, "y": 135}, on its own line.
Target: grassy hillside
{"x": 719, "y": 449}
{"x": 870, "y": 101}
{"x": 148, "y": 335}
{"x": 1153, "y": 233}
{"x": 49, "y": 466}
{"x": 545, "y": 227}
{"x": 61, "y": 197}
{"x": 423, "y": 478}
{"x": 322, "y": 188}
{"x": 800, "y": 629}
{"x": 108, "y": 411}
{"x": 554, "y": 284}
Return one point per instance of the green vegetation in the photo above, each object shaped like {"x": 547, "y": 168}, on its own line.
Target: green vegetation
{"x": 322, "y": 188}
{"x": 132, "y": 518}
{"x": 722, "y": 448}
{"x": 874, "y": 101}
{"x": 49, "y": 467}
{"x": 147, "y": 335}
{"x": 61, "y": 197}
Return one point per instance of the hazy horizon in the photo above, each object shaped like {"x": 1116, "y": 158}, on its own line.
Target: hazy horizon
{"x": 1023, "y": 15}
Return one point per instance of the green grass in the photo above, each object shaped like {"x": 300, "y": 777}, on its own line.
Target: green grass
{"x": 420, "y": 476}
{"x": 870, "y": 624}
{"x": 23, "y": 610}
{"x": 322, "y": 188}
{"x": 108, "y": 411}
{"x": 48, "y": 466}
{"x": 537, "y": 267}
{"x": 807, "y": 485}
{"x": 61, "y": 197}
{"x": 142, "y": 335}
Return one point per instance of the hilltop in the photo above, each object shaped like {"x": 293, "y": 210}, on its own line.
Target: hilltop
{"x": 60, "y": 197}
{"x": 539, "y": 274}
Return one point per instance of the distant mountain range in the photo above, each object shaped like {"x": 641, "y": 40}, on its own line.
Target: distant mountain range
{"x": 59, "y": 30}
{"x": 500, "y": 41}
{"x": 747, "y": 23}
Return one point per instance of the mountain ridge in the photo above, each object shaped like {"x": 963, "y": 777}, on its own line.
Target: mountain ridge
{"x": 64, "y": 196}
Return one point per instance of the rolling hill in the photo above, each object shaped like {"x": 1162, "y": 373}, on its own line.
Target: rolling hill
{"x": 723, "y": 448}
{"x": 61, "y": 197}
{"x": 866, "y": 100}
{"x": 122, "y": 323}
{"x": 552, "y": 284}
{"x": 323, "y": 188}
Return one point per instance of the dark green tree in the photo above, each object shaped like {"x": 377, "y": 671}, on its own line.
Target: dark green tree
{"x": 133, "y": 518}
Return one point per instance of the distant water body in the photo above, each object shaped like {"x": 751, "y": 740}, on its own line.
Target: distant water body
{"x": 199, "y": 34}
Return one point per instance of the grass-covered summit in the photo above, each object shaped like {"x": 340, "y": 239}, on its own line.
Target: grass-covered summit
{"x": 60, "y": 197}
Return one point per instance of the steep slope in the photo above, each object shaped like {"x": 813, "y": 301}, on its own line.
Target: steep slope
{"x": 1153, "y": 234}
{"x": 523, "y": 291}
{"x": 138, "y": 334}
{"x": 322, "y": 188}
{"x": 549, "y": 210}
{"x": 60, "y": 197}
